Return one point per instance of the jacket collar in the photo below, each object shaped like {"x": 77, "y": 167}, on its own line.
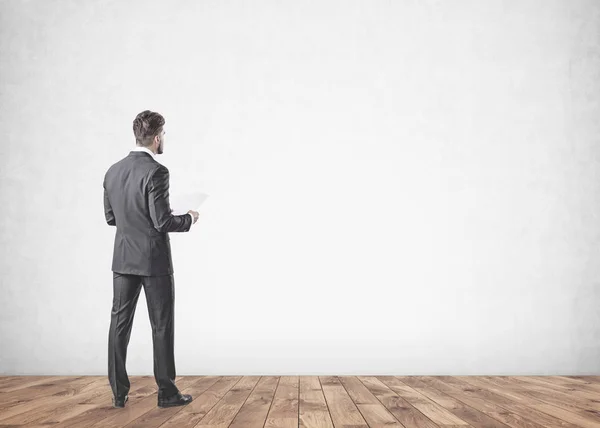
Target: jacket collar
{"x": 143, "y": 149}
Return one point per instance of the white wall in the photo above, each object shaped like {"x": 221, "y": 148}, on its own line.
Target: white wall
{"x": 406, "y": 187}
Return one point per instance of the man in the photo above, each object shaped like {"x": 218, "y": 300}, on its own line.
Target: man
{"x": 136, "y": 201}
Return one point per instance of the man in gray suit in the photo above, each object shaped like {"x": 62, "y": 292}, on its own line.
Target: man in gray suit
{"x": 136, "y": 201}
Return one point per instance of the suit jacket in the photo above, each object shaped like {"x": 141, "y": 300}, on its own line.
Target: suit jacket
{"x": 136, "y": 201}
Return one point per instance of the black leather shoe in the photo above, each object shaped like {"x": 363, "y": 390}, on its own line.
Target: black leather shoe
{"x": 120, "y": 402}
{"x": 178, "y": 399}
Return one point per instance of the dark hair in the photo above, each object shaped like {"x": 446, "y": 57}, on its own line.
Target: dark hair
{"x": 146, "y": 126}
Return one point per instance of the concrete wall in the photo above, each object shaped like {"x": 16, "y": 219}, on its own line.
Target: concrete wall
{"x": 402, "y": 187}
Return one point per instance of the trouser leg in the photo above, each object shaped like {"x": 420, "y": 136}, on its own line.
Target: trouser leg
{"x": 126, "y": 290}
{"x": 160, "y": 295}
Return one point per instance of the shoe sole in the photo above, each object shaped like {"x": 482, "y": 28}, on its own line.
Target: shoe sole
{"x": 163, "y": 406}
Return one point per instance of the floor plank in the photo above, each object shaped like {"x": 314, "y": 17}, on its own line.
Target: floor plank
{"x": 223, "y": 413}
{"x": 467, "y": 413}
{"x": 513, "y": 402}
{"x": 308, "y": 402}
{"x": 342, "y": 409}
{"x": 486, "y": 403}
{"x": 312, "y": 410}
{"x": 22, "y": 413}
{"x": 42, "y": 389}
{"x": 156, "y": 416}
{"x": 253, "y": 413}
{"x": 191, "y": 414}
{"x": 372, "y": 410}
{"x": 100, "y": 407}
{"x": 419, "y": 410}
{"x": 284, "y": 412}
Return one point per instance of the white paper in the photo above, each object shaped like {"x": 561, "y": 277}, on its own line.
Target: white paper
{"x": 181, "y": 203}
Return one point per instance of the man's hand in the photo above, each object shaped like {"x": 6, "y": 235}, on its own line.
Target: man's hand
{"x": 195, "y": 214}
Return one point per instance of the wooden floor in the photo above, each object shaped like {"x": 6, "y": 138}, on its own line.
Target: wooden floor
{"x": 308, "y": 401}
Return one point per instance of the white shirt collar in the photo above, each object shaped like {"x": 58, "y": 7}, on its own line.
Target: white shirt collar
{"x": 143, "y": 149}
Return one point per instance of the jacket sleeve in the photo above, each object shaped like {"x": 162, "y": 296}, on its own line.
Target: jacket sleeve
{"x": 108, "y": 212}
{"x": 159, "y": 206}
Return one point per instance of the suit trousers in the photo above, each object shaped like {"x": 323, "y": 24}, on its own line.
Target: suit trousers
{"x": 160, "y": 297}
